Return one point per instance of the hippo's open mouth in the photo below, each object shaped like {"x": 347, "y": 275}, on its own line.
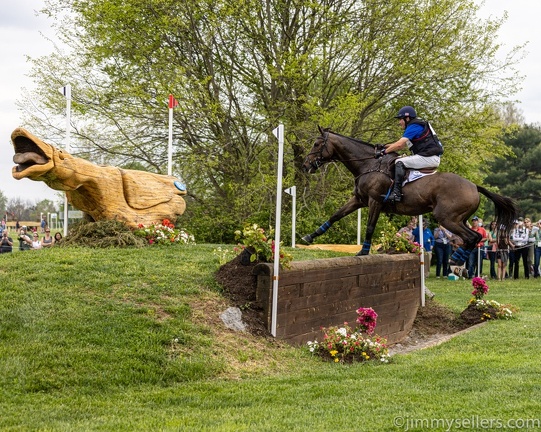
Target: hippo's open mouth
{"x": 27, "y": 153}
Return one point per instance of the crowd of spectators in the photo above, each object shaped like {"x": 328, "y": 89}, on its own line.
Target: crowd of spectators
{"x": 28, "y": 239}
{"x": 506, "y": 255}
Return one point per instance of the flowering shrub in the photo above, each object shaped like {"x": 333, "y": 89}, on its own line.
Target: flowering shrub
{"x": 163, "y": 233}
{"x": 489, "y": 309}
{"x": 260, "y": 244}
{"x": 345, "y": 345}
{"x": 395, "y": 242}
{"x": 222, "y": 254}
{"x": 367, "y": 320}
{"x": 480, "y": 287}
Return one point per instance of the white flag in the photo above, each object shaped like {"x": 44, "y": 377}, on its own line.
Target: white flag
{"x": 66, "y": 91}
{"x": 277, "y": 131}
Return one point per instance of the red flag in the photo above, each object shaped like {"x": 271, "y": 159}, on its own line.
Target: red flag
{"x": 172, "y": 102}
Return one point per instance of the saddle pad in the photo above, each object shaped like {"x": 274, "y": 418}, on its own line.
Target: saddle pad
{"x": 413, "y": 175}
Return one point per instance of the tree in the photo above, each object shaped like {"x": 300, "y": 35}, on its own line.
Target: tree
{"x": 519, "y": 175}
{"x": 240, "y": 68}
{"x": 3, "y": 202}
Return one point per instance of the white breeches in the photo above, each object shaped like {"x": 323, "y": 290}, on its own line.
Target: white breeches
{"x": 418, "y": 162}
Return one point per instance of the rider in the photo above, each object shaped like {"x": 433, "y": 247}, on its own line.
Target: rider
{"x": 421, "y": 140}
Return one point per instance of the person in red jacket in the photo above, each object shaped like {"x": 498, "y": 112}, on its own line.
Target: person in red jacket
{"x": 477, "y": 254}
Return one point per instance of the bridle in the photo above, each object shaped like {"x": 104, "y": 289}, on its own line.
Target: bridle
{"x": 318, "y": 160}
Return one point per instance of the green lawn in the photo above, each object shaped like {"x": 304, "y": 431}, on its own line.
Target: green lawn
{"x": 128, "y": 339}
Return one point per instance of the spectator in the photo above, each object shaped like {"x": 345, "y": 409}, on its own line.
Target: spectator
{"x": 442, "y": 248}
{"x": 519, "y": 243}
{"x": 531, "y": 242}
{"x": 57, "y": 238}
{"x": 407, "y": 231}
{"x": 25, "y": 242}
{"x": 36, "y": 243}
{"x": 428, "y": 242}
{"x": 47, "y": 240}
{"x": 492, "y": 244}
{"x": 43, "y": 224}
{"x": 6, "y": 245}
{"x": 537, "y": 250}
{"x": 475, "y": 261}
{"x": 502, "y": 254}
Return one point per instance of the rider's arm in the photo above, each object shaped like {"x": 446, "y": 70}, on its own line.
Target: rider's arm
{"x": 398, "y": 145}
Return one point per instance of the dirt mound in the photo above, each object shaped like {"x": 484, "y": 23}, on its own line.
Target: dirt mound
{"x": 239, "y": 286}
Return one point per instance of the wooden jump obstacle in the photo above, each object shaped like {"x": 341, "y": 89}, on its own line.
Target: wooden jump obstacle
{"x": 327, "y": 292}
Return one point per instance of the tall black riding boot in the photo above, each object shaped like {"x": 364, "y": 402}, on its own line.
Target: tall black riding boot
{"x": 399, "y": 173}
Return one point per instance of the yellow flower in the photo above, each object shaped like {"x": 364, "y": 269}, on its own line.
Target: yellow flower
{"x": 333, "y": 353}
{"x": 336, "y": 360}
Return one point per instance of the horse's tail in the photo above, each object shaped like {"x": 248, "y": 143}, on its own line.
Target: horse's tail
{"x": 506, "y": 210}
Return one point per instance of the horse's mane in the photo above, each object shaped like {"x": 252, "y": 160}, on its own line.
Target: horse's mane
{"x": 358, "y": 141}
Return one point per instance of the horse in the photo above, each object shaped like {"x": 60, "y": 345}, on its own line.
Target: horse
{"x": 451, "y": 199}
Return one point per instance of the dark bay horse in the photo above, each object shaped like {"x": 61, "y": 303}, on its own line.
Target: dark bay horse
{"x": 451, "y": 198}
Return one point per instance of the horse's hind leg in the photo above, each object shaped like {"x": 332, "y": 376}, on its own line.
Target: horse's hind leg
{"x": 353, "y": 204}
{"x": 468, "y": 236}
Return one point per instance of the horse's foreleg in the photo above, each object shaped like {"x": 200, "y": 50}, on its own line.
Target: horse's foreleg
{"x": 352, "y": 205}
{"x": 374, "y": 210}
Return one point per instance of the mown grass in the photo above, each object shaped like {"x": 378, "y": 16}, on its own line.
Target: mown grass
{"x": 130, "y": 339}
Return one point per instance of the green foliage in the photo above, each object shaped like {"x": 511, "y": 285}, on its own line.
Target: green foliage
{"x": 240, "y": 68}
{"x": 518, "y": 175}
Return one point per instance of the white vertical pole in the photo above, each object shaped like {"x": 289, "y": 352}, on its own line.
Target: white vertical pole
{"x": 478, "y": 262}
{"x": 293, "y": 192}
{"x": 359, "y": 226}
{"x": 278, "y": 133}
{"x": 170, "y": 143}
{"x": 422, "y": 260}
{"x": 67, "y": 94}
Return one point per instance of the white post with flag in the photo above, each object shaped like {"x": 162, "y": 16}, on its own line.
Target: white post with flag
{"x": 278, "y": 133}
{"x": 293, "y": 192}
{"x": 173, "y": 103}
{"x": 66, "y": 91}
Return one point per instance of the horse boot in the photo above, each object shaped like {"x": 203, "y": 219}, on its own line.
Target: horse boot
{"x": 396, "y": 193}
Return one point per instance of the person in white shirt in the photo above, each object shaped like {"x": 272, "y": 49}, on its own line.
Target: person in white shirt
{"x": 36, "y": 243}
{"x": 519, "y": 243}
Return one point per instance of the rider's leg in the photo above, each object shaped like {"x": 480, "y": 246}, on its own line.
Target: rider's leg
{"x": 414, "y": 162}
{"x": 399, "y": 173}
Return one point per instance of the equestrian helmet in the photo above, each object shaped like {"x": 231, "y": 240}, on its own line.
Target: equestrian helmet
{"x": 406, "y": 111}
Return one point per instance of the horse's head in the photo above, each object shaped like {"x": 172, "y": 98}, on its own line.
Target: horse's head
{"x": 320, "y": 153}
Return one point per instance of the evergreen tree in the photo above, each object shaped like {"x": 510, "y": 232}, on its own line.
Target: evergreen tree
{"x": 519, "y": 174}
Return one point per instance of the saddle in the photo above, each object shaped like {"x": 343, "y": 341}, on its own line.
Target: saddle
{"x": 413, "y": 174}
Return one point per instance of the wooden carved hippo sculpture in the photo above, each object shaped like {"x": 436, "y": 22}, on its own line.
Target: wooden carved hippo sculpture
{"x": 102, "y": 192}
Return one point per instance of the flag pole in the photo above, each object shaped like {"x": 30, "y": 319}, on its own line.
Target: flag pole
{"x": 66, "y": 91}
{"x": 278, "y": 133}
{"x": 172, "y": 104}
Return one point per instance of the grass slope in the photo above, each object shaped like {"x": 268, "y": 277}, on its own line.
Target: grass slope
{"x": 130, "y": 339}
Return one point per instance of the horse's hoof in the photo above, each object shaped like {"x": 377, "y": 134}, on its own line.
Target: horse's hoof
{"x": 362, "y": 252}
{"x": 307, "y": 239}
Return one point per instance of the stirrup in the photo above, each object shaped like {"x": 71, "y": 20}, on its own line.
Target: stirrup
{"x": 392, "y": 197}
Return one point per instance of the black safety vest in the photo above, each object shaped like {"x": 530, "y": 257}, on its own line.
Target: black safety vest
{"x": 428, "y": 143}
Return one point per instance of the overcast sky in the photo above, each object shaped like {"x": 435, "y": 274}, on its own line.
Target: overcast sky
{"x": 22, "y": 34}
